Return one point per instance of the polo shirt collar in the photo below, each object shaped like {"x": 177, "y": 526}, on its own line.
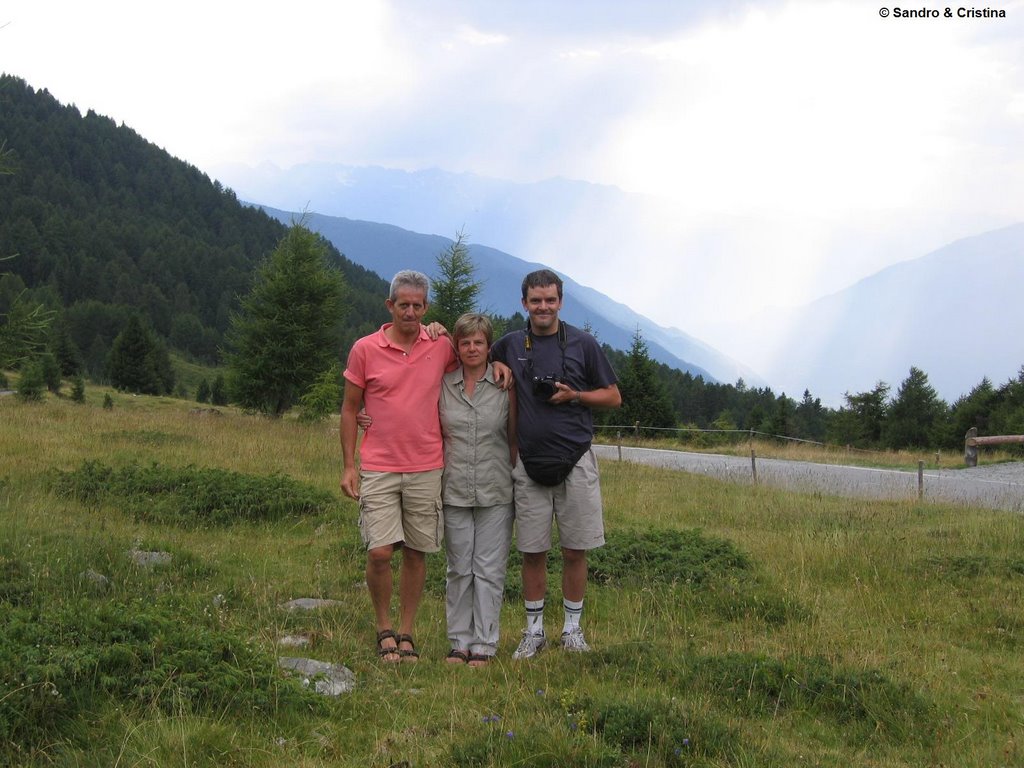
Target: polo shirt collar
{"x": 383, "y": 340}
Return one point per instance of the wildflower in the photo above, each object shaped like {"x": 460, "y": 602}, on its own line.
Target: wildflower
{"x": 540, "y": 691}
{"x": 686, "y": 742}
{"x": 510, "y": 735}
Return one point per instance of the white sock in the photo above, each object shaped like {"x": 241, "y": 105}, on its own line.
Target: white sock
{"x": 535, "y": 616}
{"x": 573, "y": 611}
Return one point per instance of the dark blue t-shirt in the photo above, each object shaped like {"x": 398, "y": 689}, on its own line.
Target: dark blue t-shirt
{"x": 553, "y": 430}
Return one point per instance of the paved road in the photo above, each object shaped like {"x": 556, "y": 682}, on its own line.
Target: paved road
{"x": 996, "y": 486}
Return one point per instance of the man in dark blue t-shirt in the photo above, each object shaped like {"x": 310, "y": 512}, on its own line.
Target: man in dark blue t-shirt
{"x": 560, "y": 374}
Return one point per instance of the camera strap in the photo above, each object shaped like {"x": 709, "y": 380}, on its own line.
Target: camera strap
{"x": 562, "y": 343}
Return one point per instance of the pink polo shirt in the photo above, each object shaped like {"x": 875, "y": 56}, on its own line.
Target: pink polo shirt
{"x": 400, "y": 392}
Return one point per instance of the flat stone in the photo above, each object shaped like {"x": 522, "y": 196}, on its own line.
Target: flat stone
{"x": 96, "y": 579}
{"x": 309, "y": 604}
{"x": 294, "y": 641}
{"x": 327, "y": 679}
{"x": 148, "y": 559}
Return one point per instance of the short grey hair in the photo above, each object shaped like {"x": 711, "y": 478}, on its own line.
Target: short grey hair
{"x": 410, "y": 278}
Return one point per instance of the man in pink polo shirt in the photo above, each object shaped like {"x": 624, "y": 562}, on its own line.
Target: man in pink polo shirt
{"x": 396, "y": 374}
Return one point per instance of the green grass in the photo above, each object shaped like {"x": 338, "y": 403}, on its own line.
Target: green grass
{"x": 731, "y": 625}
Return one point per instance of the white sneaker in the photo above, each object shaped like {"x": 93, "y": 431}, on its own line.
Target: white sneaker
{"x": 531, "y": 644}
{"x": 574, "y": 641}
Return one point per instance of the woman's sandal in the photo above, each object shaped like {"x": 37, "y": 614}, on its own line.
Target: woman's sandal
{"x": 383, "y": 652}
{"x": 456, "y": 656}
{"x": 407, "y": 654}
{"x": 479, "y": 659}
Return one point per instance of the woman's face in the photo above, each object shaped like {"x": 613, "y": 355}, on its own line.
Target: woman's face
{"x": 472, "y": 349}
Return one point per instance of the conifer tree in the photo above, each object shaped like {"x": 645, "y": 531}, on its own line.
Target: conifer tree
{"x": 219, "y": 391}
{"x": 287, "y": 331}
{"x": 138, "y": 362}
{"x": 453, "y": 291}
{"x": 645, "y": 399}
{"x": 203, "y": 391}
{"x": 78, "y": 388}
{"x": 915, "y": 414}
{"x": 32, "y": 382}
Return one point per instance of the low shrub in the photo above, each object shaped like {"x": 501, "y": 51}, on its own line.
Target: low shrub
{"x": 664, "y": 556}
{"x": 865, "y": 703}
{"x": 59, "y": 661}
{"x": 193, "y": 495}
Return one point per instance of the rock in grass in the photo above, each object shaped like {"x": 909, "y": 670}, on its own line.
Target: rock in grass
{"x": 309, "y": 604}
{"x": 326, "y": 679}
{"x": 149, "y": 559}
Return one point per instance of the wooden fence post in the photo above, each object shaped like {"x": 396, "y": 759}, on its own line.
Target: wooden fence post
{"x": 920, "y": 480}
{"x": 970, "y": 449}
{"x": 753, "y": 465}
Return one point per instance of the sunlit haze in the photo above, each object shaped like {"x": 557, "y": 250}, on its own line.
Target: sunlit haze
{"x": 789, "y": 148}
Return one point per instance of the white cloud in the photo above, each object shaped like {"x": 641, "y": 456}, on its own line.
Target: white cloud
{"x": 799, "y": 145}
{"x": 473, "y": 36}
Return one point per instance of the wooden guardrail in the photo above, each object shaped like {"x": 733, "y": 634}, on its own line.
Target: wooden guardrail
{"x": 972, "y": 442}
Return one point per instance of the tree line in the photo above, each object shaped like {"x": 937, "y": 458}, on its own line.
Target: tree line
{"x": 117, "y": 255}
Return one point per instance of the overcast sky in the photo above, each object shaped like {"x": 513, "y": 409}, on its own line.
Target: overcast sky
{"x": 828, "y": 140}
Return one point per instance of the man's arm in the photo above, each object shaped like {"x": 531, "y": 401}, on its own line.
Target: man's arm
{"x": 602, "y": 398}
{"x": 350, "y": 407}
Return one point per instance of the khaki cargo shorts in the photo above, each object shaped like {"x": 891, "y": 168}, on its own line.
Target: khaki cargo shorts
{"x": 574, "y": 504}
{"x": 401, "y": 507}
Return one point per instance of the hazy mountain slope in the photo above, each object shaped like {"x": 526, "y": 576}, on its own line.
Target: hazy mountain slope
{"x": 386, "y": 249}
{"x": 955, "y": 313}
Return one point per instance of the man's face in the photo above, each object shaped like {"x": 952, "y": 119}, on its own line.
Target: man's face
{"x": 407, "y": 309}
{"x": 542, "y": 305}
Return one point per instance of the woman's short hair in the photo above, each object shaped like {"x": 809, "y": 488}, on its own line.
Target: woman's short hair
{"x": 470, "y": 323}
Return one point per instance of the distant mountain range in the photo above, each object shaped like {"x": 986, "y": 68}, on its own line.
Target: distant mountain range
{"x": 953, "y": 313}
{"x": 386, "y": 249}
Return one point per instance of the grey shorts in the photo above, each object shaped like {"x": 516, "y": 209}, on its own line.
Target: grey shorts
{"x": 401, "y": 507}
{"x": 574, "y": 504}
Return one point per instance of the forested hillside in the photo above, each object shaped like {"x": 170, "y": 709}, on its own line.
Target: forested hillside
{"x": 103, "y": 224}
{"x": 110, "y": 233}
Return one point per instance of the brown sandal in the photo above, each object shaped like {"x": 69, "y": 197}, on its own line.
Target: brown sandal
{"x": 407, "y": 654}
{"x": 383, "y": 652}
{"x": 456, "y": 656}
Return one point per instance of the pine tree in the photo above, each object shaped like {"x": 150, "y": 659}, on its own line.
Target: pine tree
{"x": 32, "y": 382}
{"x": 645, "y": 400}
{"x": 453, "y": 289}
{"x": 78, "y": 388}
{"x": 219, "y": 391}
{"x": 324, "y": 397}
{"x": 203, "y": 391}
{"x": 861, "y": 422}
{"x": 138, "y": 362}
{"x": 287, "y": 331}
{"x": 915, "y": 414}
{"x": 51, "y": 371}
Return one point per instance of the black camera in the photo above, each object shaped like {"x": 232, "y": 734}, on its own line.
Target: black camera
{"x": 544, "y": 386}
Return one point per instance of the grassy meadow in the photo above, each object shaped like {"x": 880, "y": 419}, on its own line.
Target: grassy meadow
{"x": 731, "y": 625}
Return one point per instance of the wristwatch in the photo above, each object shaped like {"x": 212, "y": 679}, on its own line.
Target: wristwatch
{"x": 578, "y": 399}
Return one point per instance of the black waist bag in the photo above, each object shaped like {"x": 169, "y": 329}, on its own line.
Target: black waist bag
{"x": 552, "y": 470}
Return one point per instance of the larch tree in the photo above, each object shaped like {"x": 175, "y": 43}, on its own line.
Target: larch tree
{"x": 287, "y": 330}
{"x": 453, "y": 290}
{"x": 645, "y": 399}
